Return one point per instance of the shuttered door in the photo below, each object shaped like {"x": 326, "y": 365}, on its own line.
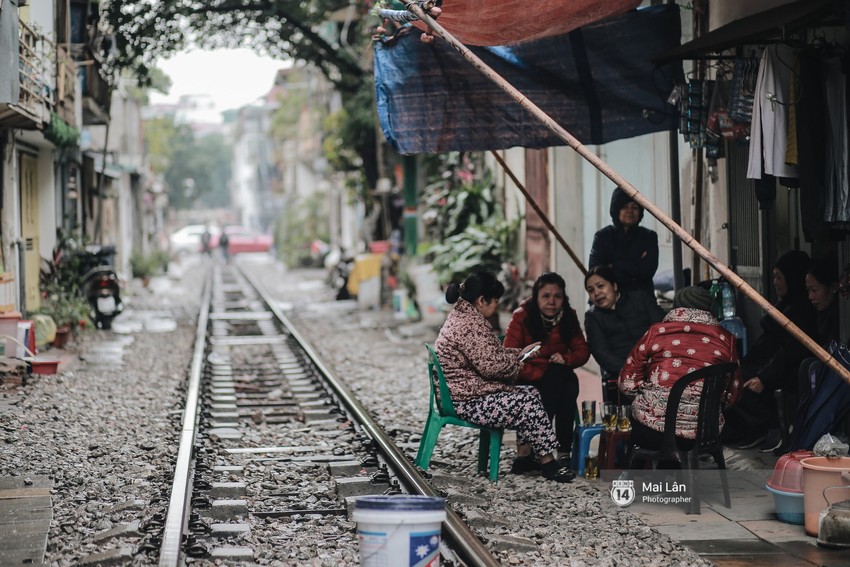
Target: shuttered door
{"x": 745, "y": 244}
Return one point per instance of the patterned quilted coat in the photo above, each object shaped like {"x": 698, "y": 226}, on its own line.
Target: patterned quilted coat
{"x": 473, "y": 359}
{"x": 687, "y": 339}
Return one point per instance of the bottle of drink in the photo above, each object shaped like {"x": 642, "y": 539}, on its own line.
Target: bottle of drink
{"x": 728, "y": 301}
{"x": 714, "y": 290}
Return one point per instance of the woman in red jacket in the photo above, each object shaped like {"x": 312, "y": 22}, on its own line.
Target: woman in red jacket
{"x": 547, "y": 317}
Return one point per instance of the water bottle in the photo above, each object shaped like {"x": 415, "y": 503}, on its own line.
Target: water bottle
{"x": 728, "y": 301}
{"x": 714, "y": 290}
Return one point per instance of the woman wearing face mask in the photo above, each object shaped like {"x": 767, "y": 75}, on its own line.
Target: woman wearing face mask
{"x": 547, "y": 318}
{"x": 615, "y": 321}
{"x": 481, "y": 373}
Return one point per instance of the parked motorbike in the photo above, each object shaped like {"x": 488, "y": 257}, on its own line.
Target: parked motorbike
{"x": 100, "y": 284}
{"x": 339, "y": 265}
{"x": 101, "y": 290}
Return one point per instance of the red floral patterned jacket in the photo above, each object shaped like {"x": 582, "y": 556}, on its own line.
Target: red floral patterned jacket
{"x": 687, "y": 339}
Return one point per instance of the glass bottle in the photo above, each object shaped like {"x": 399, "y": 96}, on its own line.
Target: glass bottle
{"x": 715, "y": 292}
{"x": 728, "y": 301}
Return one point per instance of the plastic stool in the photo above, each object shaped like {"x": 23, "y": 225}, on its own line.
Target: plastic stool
{"x": 581, "y": 445}
{"x": 608, "y": 447}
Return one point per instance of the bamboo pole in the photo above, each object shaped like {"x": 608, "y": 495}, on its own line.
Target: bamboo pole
{"x": 632, "y": 192}
{"x": 540, "y": 212}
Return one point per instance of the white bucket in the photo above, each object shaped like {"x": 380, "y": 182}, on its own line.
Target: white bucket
{"x": 400, "y": 303}
{"x": 399, "y": 530}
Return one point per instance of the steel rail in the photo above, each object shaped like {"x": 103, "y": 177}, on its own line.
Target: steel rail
{"x": 181, "y": 488}
{"x": 464, "y": 540}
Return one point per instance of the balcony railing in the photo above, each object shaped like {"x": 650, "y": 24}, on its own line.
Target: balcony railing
{"x": 35, "y": 70}
{"x": 66, "y": 72}
{"x": 96, "y": 95}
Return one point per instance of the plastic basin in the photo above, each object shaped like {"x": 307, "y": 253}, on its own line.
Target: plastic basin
{"x": 43, "y": 365}
{"x": 788, "y": 472}
{"x": 789, "y": 506}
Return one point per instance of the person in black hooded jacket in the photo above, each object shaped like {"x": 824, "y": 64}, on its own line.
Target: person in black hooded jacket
{"x": 631, "y": 250}
{"x": 772, "y": 362}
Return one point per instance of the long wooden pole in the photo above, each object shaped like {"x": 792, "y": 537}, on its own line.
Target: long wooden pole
{"x": 632, "y": 192}
{"x": 540, "y": 212}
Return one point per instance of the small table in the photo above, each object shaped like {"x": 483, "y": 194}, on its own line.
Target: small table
{"x": 582, "y": 436}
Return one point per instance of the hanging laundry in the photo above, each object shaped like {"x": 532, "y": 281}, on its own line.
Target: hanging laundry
{"x": 769, "y": 128}
{"x": 811, "y": 124}
{"x": 742, "y": 89}
{"x": 836, "y": 179}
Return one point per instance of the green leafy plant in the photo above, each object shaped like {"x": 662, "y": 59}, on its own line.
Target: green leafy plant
{"x": 143, "y": 266}
{"x": 60, "y": 132}
{"x": 485, "y": 246}
{"x": 459, "y": 196}
{"x": 302, "y": 221}
{"x": 66, "y": 309}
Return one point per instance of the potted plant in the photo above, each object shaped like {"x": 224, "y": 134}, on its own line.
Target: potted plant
{"x": 69, "y": 312}
{"x": 143, "y": 267}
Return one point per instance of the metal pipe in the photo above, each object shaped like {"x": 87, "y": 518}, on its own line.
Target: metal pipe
{"x": 675, "y": 207}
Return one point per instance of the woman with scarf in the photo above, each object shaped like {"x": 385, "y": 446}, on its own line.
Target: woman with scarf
{"x": 481, "y": 373}
{"x": 547, "y": 318}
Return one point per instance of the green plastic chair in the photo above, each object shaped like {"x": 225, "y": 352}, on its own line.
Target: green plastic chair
{"x": 443, "y": 413}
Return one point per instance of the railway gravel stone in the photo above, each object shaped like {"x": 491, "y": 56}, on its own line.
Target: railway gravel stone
{"x": 105, "y": 431}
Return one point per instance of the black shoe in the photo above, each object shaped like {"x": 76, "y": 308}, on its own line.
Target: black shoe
{"x": 526, "y": 464}
{"x": 752, "y": 441}
{"x": 781, "y": 450}
{"x": 772, "y": 441}
{"x": 554, "y": 471}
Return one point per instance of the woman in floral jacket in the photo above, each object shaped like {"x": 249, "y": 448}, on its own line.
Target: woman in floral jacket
{"x": 687, "y": 339}
{"x": 547, "y": 318}
{"x": 481, "y": 373}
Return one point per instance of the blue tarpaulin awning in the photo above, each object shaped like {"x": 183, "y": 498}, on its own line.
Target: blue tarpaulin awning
{"x": 597, "y": 82}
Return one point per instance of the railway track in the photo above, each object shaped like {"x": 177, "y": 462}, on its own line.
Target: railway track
{"x": 274, "y": 446}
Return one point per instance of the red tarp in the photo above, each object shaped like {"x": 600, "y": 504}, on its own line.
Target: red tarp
{"x": 504, "y": 22}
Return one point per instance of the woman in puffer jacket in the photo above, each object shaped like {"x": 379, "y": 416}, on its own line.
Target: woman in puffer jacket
{"x": 481, "y": 373}
{"x": 547, "y": 318}
{"x": 631, "y": 250}
{"x": 689, "y": 338}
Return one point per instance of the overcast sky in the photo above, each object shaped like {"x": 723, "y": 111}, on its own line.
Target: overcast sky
{"x": 233, "y": 77}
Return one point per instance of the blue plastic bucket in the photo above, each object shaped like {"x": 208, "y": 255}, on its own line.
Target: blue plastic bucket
{"x": 789, "y": 506}
{"x": 399, "y": 530}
